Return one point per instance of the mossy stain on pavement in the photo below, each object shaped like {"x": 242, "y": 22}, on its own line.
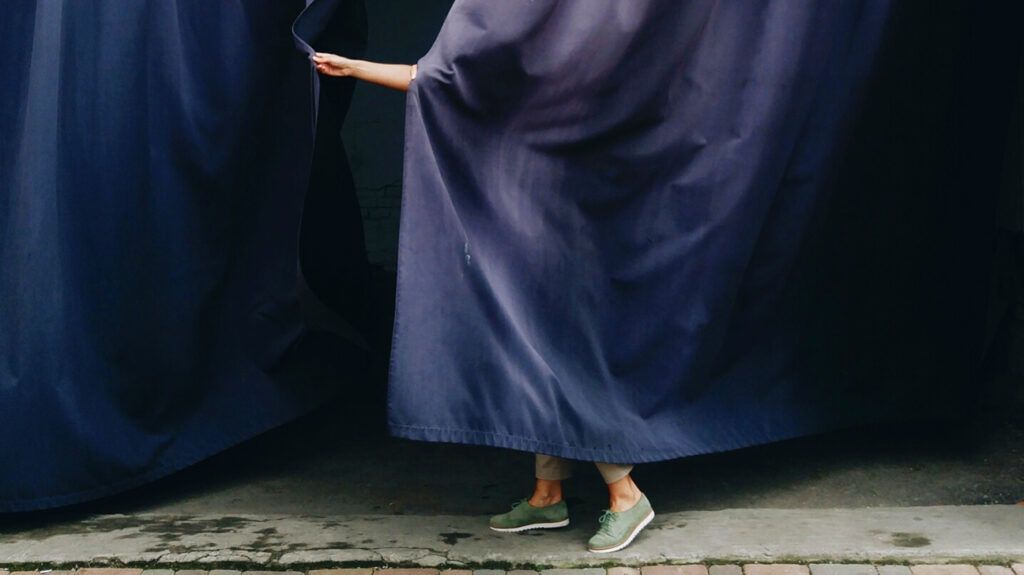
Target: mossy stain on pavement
{"x": 910, "y": 540}
{"x": 452, "y": 537}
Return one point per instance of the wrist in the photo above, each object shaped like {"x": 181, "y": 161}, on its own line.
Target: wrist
{"x": 355, "y": 69}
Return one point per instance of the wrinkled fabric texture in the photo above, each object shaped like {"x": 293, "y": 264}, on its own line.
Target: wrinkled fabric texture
{"x": 610, "y": 230}
{"x": 631, "y": 230}
{"x": 154, "y": 164}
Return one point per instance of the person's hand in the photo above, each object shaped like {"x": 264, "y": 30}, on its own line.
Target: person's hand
{"x": 333, "y": 65}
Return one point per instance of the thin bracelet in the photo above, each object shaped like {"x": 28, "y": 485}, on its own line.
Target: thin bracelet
{"x": 412, "y": 73}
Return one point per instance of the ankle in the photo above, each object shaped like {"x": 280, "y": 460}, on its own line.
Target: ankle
{"x": 623, "y": 495}
{"x": 546, "y": 492}
{"x": 623, "y": 502}
{"x": 545, "y": 499}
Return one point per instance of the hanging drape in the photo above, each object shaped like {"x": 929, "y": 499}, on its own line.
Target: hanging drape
{"x": 623, "y": 234}
{"x": 155, "y": 159}
{"x": 630, "y": 231}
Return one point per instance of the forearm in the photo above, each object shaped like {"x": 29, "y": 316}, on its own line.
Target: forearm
{"x": 394, "y": 76}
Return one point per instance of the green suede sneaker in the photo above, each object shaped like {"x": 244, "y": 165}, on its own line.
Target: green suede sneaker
{"x": 524, "y": 516}
{"x": 618, "y": 529}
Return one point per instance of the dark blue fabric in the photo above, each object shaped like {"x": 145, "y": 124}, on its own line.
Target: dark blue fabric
{"x": 155, "y": 162}
{"x": 609, "y": 216}
{"x": 631, "y": 230}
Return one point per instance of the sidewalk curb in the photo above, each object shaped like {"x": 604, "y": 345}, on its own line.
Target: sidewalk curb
{"x": 911, "y": 535}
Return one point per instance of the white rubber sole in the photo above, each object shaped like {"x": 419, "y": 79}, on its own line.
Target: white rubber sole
{"x": 554, "y": 525}
{"x": 636, "y": 531}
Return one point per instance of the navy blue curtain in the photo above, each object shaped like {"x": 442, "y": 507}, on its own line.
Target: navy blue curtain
{"x": 636, "y": 231}
{"x": 630, "y": 230}
{"x": 155, "y": 159}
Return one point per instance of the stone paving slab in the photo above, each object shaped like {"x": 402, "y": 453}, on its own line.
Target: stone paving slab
{"x": 725, "y": 570}
{"x": 690, "y": 540}
{"x": 775, "y": 569}
{"x": 944, "y": 570}
{"x": 674, "y": 570}
{"x": 995, "y": 569}
{"x": 843, "y": 569}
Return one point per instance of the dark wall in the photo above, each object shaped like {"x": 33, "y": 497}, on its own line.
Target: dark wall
{"x": 400, "y": 31}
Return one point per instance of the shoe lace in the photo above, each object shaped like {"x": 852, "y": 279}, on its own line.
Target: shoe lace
{"x": 518, "y": 503}
{"x": 606, "y": 519}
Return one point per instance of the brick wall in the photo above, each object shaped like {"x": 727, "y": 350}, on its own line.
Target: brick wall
{"x": 380, "y": 208}
{"x": 400, "y": 31}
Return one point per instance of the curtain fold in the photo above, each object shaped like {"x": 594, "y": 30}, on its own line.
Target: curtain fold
{"x": 674, "y": 228}
{"x": 156, "y": 160}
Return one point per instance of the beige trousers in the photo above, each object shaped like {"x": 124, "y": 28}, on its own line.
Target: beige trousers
{"x": 555, "y": 469}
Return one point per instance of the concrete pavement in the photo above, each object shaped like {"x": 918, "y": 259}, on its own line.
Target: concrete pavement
{"x": 975, "y": 534}
{"x": 692, "y": 569}
{"x": 333, "y": 490}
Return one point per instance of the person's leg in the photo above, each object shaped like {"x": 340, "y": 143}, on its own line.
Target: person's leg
{"x": 622, "y": 491}
{"x": 545, "y": 509}
{"x": 549, "y": 472}
{"x": 629, "y": 510}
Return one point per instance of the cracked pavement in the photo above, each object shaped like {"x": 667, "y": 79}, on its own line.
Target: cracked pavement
{"x": 333, "y": 489}
{"x": 974, "y": 533}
